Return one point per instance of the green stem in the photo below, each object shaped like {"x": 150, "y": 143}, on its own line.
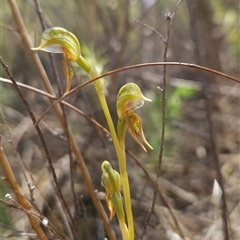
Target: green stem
{"x": 82, "y": 62}
{"x": 121, "y": 132}
{"x": 124, "y": 230}
{"x": 117, "y": 202}
{"x": 119, "y": 150}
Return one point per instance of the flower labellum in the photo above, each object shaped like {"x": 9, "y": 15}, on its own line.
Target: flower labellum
{"x": 134, "y": 125}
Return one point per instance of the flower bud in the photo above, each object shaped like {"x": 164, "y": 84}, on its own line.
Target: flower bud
{"x": 129, "y": 99}
{"x": 111, "y": 179}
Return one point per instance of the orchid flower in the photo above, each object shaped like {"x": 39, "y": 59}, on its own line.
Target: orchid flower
{"x": 59, "y": 40}
{"x": 129, "y": 99}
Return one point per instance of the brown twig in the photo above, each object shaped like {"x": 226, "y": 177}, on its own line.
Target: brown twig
{"x": 169, "y": 18}
{"x": 141, "y": 65}
{"x": 22, "y": 163}
{"x": 152, "y": 29}
{"x": 23, "y": 202}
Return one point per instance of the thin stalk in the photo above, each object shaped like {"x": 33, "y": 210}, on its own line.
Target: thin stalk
{"x": 120, "y": 151}
{"x": 124, "y": 230}
{"x": 24, "y": 203}
{"x": 169, "y": 18}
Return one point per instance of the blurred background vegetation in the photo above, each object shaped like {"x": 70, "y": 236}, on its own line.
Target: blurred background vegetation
{"x": 111, "y": 38}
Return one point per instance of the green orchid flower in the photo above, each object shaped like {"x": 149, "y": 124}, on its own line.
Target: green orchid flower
{"x": 59, "y": 40}
{"x": 129, "y": 99}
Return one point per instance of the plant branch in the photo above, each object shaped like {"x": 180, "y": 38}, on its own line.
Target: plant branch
{"x": 152, "y": 29}
{"x": 155, "y": 64}
{"x": 169, "y": 18}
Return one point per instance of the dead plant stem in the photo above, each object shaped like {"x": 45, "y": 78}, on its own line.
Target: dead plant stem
{"x": 169, "y": 18}
{"x": 23, "y": 202}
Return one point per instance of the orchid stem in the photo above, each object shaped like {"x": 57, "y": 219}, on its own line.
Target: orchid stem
{"x": 120, "y": 151}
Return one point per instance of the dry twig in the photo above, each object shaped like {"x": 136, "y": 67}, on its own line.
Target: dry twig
{"x": 22, "y": 201}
